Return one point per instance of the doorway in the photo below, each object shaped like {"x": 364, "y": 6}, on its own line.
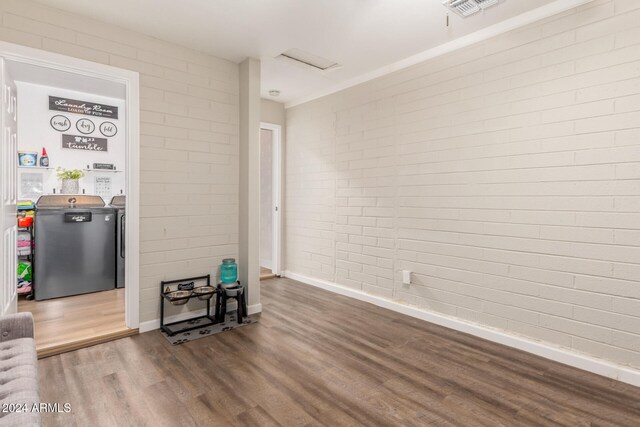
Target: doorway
{"x": 91, "y": 129}
{"x": 270, "y": 190}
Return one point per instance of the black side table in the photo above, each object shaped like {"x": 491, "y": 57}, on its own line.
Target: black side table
{"x": 226, "y": 292}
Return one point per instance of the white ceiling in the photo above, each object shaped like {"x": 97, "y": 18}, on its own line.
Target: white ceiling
{"x": 361, "y": 35}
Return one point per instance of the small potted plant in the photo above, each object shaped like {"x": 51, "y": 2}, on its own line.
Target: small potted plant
{"x": 70, "y": 180}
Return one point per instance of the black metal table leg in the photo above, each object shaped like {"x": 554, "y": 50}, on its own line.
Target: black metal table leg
{"x": 218, "y": 303}
{"x": 161, "y": 312}
{"x": 241, "y": 310}
{"x": 223, "y": 307}
{"x": 244, "y": 302}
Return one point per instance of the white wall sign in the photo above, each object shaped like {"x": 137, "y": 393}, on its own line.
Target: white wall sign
{"x": 85, "y": 126}
{"x": 60, "y": 123}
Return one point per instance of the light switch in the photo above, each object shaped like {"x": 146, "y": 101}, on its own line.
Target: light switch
{"x": 406, "y": 277}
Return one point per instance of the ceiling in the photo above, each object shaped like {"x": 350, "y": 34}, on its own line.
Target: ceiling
{"x": 360, "y": 35}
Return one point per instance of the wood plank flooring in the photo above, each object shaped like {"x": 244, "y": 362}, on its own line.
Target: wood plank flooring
{"x": 64, "y": 324}
{"x": 319, "y": 359}
{"x": 266, "y": 273}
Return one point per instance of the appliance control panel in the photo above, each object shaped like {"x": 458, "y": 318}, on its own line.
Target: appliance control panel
{"x": 77, "y": 217}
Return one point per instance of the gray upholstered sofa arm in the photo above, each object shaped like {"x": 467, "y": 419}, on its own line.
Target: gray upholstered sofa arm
{"x": 14, "y": 326}
{"x": 18, "y": 372}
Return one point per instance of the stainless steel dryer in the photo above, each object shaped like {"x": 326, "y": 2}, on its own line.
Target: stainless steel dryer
{"x": 74, "y": 246}
{"x": 119, "y": 203}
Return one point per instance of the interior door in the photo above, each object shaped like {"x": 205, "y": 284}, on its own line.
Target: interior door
{"x": 8, "y": 176}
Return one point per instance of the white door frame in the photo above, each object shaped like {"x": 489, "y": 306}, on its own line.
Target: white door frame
{"x": 130, "y": 79}
{"x": 8, "y": 167}
{"x": 276, "y": 132}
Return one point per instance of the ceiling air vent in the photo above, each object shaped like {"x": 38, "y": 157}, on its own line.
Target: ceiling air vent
{"x": 466, "y": 8}
{"x": 308, "y": 59}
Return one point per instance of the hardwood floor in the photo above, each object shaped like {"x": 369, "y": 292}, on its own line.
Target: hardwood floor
{"x": 69, "y": 323}
{"x": 316, "y": 358}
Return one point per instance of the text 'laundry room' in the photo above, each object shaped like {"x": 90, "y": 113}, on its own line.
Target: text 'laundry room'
{"x": 71, "y": 158}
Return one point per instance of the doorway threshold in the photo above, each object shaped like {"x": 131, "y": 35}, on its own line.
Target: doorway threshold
{"x": 55, "y": 349}
{"x": 68, "y": 323}
{"x": 266, "y": 273}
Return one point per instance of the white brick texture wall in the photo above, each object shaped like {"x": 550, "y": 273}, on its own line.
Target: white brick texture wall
{"x": 505, "y": 175}
{"x": 189, "y": 138}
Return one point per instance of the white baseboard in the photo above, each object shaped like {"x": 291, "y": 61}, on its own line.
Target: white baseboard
{"x": 255, "y": 308}
{"x": 548, "y": 351}
{"x": 151, "y": 325}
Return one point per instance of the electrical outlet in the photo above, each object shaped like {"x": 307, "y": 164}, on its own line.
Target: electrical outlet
{"x": 406, "y": 277}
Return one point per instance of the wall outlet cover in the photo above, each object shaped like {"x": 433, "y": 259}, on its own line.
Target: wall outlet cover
{"x": 406, "y": 277}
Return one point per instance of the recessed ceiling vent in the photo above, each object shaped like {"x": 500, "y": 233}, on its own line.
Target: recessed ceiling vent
{"x": 466, "y": 8}
{"x": 308, "y": 59}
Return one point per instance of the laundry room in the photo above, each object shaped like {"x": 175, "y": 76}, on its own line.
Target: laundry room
{"x": 71, "y": 192}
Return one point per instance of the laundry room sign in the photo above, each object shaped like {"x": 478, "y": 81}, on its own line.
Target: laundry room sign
{"x": 82, "y": 107}
{"x": 87, "y": 143}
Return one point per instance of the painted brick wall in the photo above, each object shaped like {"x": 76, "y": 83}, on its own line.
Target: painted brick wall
{"x": 189, "y": 138}
{"x": 505, "y": 175}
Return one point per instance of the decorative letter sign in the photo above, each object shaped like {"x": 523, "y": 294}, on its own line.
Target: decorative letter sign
{"x": 108, "y": 129}
{"x": 87, "y": 143}
{"x": 81, "y": 107}
{"x": 85, "y": 126}
{"x": 60, "y": 123}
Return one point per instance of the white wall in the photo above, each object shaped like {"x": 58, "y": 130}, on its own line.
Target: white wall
{"x": 249, "y": 172}
{"x": 188, "y": 134}
{"x": 266, "y": 198}
{"x": 272, "y": 112}
{"x": 35, "y": 132}
{"x": 505, "y": 175}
